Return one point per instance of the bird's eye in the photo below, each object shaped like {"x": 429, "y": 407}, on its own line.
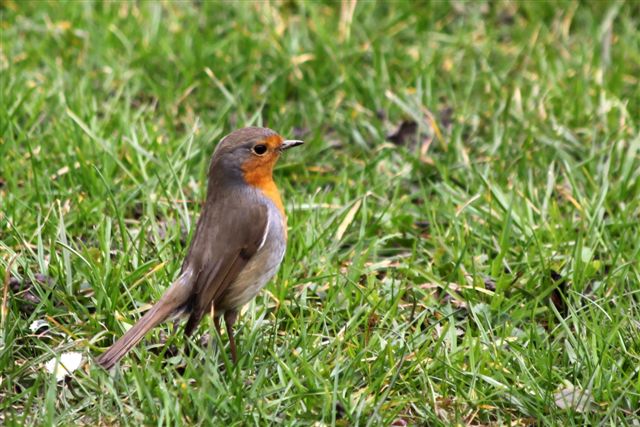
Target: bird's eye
{"x": 260, "y": 149}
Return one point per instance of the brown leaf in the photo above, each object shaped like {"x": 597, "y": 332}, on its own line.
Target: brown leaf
{"x": 559, "y": 292}
{"x": 405, "y": 133}
{"x": 453, "y": 299}
{"x": 372, "y": 322}
{"x": 489, "y": 284}
{"x": 136, "y": 211}
{"x": 142, "y": 99}
{"x": 341, "y": 412}
{"x": 446, "y": 117}
{"x": 507, "y": 17}
{"x": 24, "y": 291}
{"x": 422, "y": 225}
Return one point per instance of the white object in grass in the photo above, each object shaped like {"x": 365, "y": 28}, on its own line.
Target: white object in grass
{"x": 36, "y": 325}
{"x": 68, "y": 363}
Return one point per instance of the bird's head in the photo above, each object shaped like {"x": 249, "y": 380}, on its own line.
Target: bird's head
{"x": 249, "y": 153}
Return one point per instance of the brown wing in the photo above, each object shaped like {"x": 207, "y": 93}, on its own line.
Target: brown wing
{"x": 222, "y": 246}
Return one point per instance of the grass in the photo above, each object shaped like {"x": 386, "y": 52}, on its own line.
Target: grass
{"x": 469, "y": 270}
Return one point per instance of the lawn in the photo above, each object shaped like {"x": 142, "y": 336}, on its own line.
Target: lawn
{"x": 464, "y": 218}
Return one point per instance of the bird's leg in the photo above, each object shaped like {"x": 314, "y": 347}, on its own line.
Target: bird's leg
{"x": 229, "y": 319}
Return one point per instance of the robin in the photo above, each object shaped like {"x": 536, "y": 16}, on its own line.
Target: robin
{"x": 238, "y": 244}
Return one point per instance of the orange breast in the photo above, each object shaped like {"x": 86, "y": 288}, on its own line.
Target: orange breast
{"x": 258, "y": 172}
{"x": 271, "y": 191}
{"x": 259, "y": 175}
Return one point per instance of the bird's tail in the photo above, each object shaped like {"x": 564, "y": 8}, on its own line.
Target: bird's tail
{"x": 117, "y": 351}
{"x": 174, "y": 298}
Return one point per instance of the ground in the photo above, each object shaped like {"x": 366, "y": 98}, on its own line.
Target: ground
{"x": 463, "y": 219}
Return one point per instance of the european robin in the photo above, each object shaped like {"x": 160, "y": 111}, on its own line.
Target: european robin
{"x": 238, "y": 244}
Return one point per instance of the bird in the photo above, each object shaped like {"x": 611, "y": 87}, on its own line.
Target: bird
{"x": 237, "y": 247}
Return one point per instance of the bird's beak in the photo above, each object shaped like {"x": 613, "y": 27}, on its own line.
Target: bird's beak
{"x": 290, "y": 143}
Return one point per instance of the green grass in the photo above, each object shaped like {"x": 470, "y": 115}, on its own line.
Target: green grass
{"x": 464, "y": 276}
